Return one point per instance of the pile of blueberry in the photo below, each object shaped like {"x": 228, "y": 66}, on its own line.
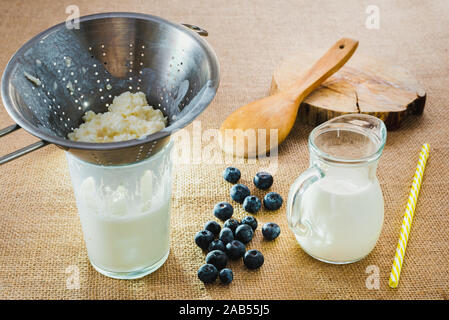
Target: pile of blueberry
{"x": 229, "y": 242}
{"x": 241, "y": 194}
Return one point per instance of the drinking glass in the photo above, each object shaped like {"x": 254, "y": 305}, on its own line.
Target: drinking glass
{"x": 125, "y": 213}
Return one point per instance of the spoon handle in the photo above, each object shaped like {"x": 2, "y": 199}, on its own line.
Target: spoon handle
{"x": 328, "y": 64}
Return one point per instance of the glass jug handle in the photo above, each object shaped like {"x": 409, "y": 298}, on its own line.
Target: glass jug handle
{"x": 294, "y": 207}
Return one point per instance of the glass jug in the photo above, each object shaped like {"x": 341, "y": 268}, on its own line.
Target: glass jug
{"x": 335, "y": 208}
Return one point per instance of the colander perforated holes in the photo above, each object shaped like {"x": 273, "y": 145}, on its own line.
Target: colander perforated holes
{"x": 94, "y": 87}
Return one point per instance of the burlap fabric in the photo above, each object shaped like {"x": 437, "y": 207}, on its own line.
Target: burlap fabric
{"x": 41, "y": 244}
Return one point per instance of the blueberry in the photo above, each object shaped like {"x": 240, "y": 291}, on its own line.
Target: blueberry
{"x": 226, "y": 235}
{"x": 216, "y": 245}
{"x": 271, "y": 230}
{"x": 244, "y": 233}
{"x": 231, "y": 174}
{"x": 239, "y": 192}
{"x": 218, "y": 258}
{"x": 252, "y": 204}
{"x": 263, "y": 180}
{"x": 204, "y": 238}
{"x": 235, "y": 249}
{"x": 226, "y": 276}
{"x": 223, "y": 210}
{"x": 213, "y": 226}
{"x": 251, "y": 221}
{"x": 253, "y": 259}
{"x": 272, "y": 201}
{"x": 231, "y": 224}
{"x": 207, "y": 273}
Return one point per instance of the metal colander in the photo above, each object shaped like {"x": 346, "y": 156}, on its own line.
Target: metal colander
{"x": 61, "y": 73}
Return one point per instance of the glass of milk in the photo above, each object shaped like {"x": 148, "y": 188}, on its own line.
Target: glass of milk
{"x": 335, "y": 208}
{"x": 125, "y": 213}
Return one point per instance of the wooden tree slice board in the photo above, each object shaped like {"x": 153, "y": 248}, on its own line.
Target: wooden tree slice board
{"x": 363, "y": 85}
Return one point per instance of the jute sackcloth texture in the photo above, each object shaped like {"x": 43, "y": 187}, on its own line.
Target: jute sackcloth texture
{"x": 41, "y": 243}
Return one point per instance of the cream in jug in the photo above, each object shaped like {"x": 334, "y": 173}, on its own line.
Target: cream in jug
{"x": 335, "y": 208}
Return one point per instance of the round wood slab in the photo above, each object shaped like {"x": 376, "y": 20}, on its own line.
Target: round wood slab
{"x": 363, "y": 85}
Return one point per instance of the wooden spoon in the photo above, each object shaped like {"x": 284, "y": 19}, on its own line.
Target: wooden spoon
{"x": 279, "y": 111}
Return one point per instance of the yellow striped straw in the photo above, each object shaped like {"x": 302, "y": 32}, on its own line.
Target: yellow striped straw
{"x": 408, "y": 217}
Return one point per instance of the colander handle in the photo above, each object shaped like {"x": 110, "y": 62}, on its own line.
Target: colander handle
{"x": 15, "y": 154}
{"x": 5, "y": 131}
{"x": 197, "y": 29}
